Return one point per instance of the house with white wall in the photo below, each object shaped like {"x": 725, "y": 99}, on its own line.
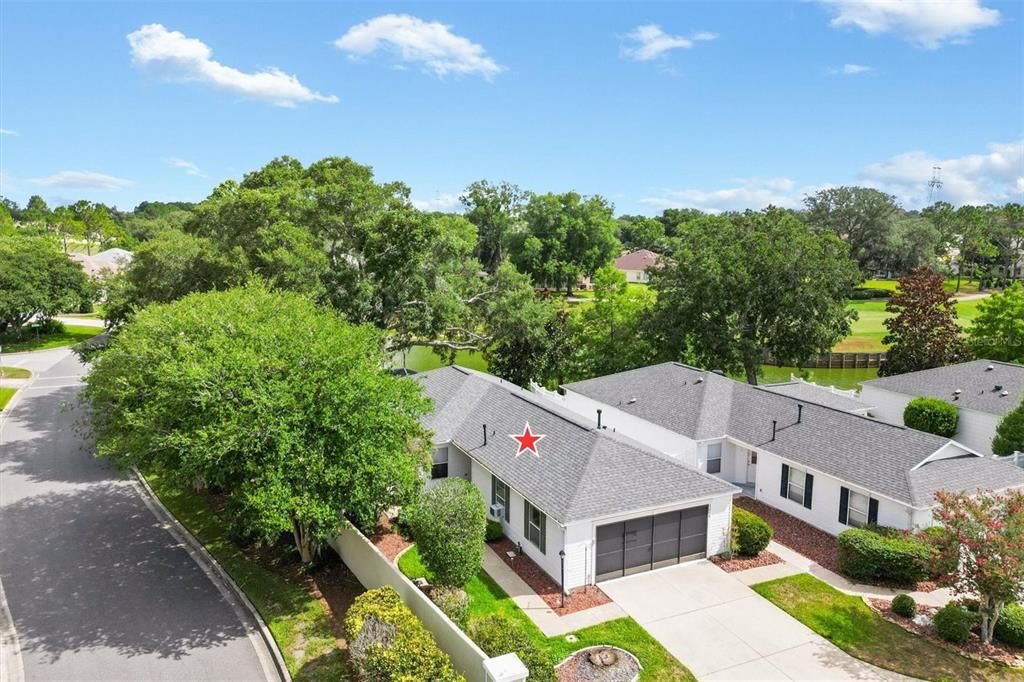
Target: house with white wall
{"x": 830, "y": 467}
{"x": 604, "y": 502}
{"x": 983, "y": 392}
{"x": 635, "y": 265}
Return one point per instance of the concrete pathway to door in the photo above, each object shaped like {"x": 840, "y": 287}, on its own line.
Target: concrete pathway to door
{"x": 722, "y": 630}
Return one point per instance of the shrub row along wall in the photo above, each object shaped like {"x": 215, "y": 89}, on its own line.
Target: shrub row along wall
{"x": 374, "y": 570}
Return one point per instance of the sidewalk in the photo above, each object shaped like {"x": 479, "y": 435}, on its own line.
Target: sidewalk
{"x": 550, "y": 623}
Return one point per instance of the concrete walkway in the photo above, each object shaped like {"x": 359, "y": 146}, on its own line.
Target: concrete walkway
{"x": 549, "y": 622}
{"x": 722, "y": 630}
{"x": 798, "y": 563}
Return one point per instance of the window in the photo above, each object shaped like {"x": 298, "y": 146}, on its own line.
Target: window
{"x": 499, "y": 495}
{"x": 797, "y": 484}
{"x": 534, "y": 525}
{"x": 715, "y": 458}
{"x": 857, "y": 512}
{"x": 439, "y": 464}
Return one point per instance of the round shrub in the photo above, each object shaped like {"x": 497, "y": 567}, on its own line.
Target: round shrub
{"x": 953, "y": 623}
{"x": 1010, "y": 626}
{"x": 494, "y": 531}
{"x": 868, "y": 556}
{"x": 904, "y": 605}
{"x": 932, "y": 416}
{"x": 448, "y": 524}
{"x": 750, "y": 533}
{"x": 386, "y": 642}
{"x": 454, "y": 603}
{"x": 498, "y": 635}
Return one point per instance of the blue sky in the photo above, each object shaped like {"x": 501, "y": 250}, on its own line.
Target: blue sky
{"x": 718, "y": 105}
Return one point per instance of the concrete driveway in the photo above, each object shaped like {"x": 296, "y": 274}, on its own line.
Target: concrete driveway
{"x": 723, "y": 630}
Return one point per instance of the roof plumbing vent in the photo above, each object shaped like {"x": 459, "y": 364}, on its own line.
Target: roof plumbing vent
{"x": 998, "y": 387}
{"x": 1005, "y": 393}
{"x": 774, "y": 424}
{"x": 485, "y": 434}
{"x": 599, "y": 418}
{"x": 799, "y": 413}
{"x": 631, "y": 401}
{"x": 957, "y": 392}
{"x": 990, "y": 368}
{"x": 699, "y": 380}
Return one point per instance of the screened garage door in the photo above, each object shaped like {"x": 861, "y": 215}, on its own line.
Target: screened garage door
{"x": 649, "y": 542}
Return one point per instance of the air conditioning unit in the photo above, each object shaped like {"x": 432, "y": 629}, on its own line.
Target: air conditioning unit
{"x": 497, "y": 510}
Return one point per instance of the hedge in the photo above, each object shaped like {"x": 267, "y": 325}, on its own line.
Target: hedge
{"x": 387, "y": 643}
{"x": 865, "y": 555}
{"x": 494, "y": 531}
{"x": 953, "y": 623}
{"x": 498, "y": 635}
{"x": 932, "y": 416}
{"x": 868, "y": 293}
{"x": 1010, "y": 626}
{"x": 750, "y": 533}
{"x": 448, "y": 523}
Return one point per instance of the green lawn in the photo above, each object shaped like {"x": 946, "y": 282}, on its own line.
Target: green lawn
{"x": 851, "y": 625}
{"x": 71, "y": 335}
{"x": 300, "y": 623}
{"x": 487, "y": 598}
{"x": 14, "y": 373}
{"x": 966, "y": 286}
{"x": 5, "y": 396}
{"x": 868, "y": 330}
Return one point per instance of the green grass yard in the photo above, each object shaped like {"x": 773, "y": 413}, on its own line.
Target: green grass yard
{"x": 71, "y": 335}
{"x": 14, "y": 373}
{"x": 487, "y": 598}
{"x": 868, "y": 329}
{"x": 299, "y": 622}
{"x": 850, "y": 624}
{"x": 5, "y": 396}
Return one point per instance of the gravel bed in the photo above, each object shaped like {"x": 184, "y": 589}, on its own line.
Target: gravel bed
{"x": 742, "y": 563}
{"x": 578, "y": 599}
{"x": 579, "y": 667}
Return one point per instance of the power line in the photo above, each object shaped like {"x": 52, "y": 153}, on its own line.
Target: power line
{"x": 935, "y": 184}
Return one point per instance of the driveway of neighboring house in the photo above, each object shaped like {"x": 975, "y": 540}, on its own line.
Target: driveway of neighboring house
{"x": 722, "y": 630}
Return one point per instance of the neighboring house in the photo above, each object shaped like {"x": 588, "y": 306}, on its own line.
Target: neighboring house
{"x": 634, "y": 265}
{"x": 612, "y": 505}
{"x": 829, "y": 396}
{"x": 983, "y": 391}
{"x": 829, "y": 467}
{"x": 111, "y": 260}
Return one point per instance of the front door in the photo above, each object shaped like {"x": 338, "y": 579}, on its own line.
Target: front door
{"x": 751, "y": 466}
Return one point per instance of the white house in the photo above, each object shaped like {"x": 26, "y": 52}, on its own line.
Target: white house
{"x": 983, "y": 391}
{"x": 612, "y": 505}
{"x": 830, "y": 467}
{"x": 635, "y": 264}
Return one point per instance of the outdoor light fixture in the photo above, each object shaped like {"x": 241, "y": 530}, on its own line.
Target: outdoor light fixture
{"x": 561, "y": 556}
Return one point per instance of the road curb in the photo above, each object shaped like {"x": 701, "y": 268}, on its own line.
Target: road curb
{"x": 203, "y": 556}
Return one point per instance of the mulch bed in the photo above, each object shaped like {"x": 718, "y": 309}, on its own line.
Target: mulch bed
{"x": 387, "y": 539}
{"x": 579, "y": 667}
{"x": 742, "y": 563}
{"x": 973, "y": 648}
{"x": 578, "y": 599}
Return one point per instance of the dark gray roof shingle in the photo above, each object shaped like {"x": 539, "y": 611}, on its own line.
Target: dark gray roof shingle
{"x": 581, "y": 473}
{"x": 963, "y": 474}
{"x": 976, "y": 382}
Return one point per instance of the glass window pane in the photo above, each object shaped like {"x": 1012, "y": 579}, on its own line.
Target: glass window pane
{"x": 858, "y": 502}
{"x": 798, "y": 477}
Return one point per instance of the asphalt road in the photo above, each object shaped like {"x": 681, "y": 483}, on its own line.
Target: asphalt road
{"x": 96, "y": 586}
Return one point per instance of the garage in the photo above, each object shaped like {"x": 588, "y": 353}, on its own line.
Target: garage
{"x": 649, "y": 542}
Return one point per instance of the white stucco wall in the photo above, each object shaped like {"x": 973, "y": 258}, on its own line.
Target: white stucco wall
{"x": 636, "y": 275}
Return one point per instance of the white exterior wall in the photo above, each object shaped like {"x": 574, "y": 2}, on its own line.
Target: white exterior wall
{"x": 636, "y": 275}
{"x": 974, "y": 429}
{"x": 824, "y": 511}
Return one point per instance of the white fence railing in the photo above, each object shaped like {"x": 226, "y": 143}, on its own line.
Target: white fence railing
{"x": 1016, "y": 458}
{"x": 374, "y": 570}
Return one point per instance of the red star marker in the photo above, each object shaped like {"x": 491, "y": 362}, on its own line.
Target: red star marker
{"x": 527, "y": 441}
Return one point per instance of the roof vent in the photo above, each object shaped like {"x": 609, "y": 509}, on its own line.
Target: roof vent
{"x": 990, "y": 368}
{"x": 957, "y": 392}
{"x": 1005, "y": 393}
{"x": 631, "y": 401}
{"x": 699, "y": 380}
{"x": 998, "y": 387}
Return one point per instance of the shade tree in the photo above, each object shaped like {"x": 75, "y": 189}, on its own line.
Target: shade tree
{"x": 37, "y": 281}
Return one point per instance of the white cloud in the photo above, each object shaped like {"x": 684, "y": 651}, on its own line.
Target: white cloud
{"x": 187, "y": 166}
{"x": 82, "y": 180}
{"x": 745, "y": 193}
{"x": 189, "y": 60}
{"x": 927, "y": 23}
{"x": 8, "y": 131}
{"x": 429, "y": 43}
{"x": 854, "y": 69}
{"x": 649, "y": 42}
{"x": 446, "y": 203}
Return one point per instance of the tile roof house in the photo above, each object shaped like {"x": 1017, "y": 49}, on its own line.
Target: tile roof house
{"x": 613, "y": 505}
{"x": 828, "y": 466}
{"x": 635, "y": 264}
{"x": 983, "y": 391}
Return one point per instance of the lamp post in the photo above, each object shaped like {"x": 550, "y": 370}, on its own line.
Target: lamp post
{"x": 561, "y": 556}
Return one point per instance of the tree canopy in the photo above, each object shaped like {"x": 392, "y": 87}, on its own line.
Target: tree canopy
{"x": 1009, "y": 436}
{"x": 998, "y": 331}
{"x": 277, "y": 402}
{"x": 860, "y": 216}
{"x": 36, "y": 279}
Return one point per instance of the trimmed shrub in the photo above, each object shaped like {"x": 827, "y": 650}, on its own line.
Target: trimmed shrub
{"x": 864, "y": 555}
{"x": 1010, "y": 626}
{"x": 454, "y": 602}
{"x": 498, "y": 635}
{"x": 868, "y": 293}
{"x": 932, "y": 416}
{"x": 750, "y": 533}
{"x": 953, "y": 623}
{"x": 1009, "y": 436}
{"x": 386, "y": 642}
{"x": 494, "y": 531}
{"x": 448, "y": 523}
{"x": 904, "y": 605}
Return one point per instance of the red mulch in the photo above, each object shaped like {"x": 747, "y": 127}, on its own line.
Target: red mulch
{"x": 812, "y": 542}
{"x": 973, "y": 648}
{"x": 578, "y": 599}
{"x": 742, "y": 563}
{"x": 388, "y": 540}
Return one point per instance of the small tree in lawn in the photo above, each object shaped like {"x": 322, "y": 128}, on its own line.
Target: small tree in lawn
{"x": 1010, "y": 432}
{"x": 984, "y": 535}
{"x": 448, "y": 523}
{"x": 923, "y": 333}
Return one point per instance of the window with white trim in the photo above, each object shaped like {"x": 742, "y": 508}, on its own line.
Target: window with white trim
{"x": 534, "y": 525}
{"x": 499, "y": 495}
{"x": 797, "y": 485}
{"x": 714, "y": 458}
{"x": 857, "y": 510}
{"x": 439, "y": 463}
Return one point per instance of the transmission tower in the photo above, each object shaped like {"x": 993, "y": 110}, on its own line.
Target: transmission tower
{"x": 935, "y": 184}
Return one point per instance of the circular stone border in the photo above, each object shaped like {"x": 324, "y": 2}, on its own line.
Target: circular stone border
{"x": 639, "y": 665}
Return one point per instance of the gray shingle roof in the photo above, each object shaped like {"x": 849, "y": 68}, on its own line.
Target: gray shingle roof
{"x": 976, "y": 382}
{"x": 817, "y": 394}
{"x": 856, "y": 449}
{"x": 581, "y": 473}
{"x": 963, "y": 474}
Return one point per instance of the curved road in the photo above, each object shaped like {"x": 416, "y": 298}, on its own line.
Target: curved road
{"x": 96, "y": 585}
